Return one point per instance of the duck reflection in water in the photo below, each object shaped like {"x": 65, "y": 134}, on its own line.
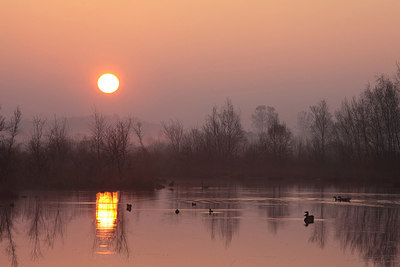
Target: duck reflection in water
{"x": 308, "y": 218}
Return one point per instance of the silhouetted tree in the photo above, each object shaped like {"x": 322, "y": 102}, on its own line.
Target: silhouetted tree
{"x": 173, "y": 131}
{"x": 58, "y": 141}
{"x": 384, "y": 117}
{"x": 274, "y": 137}
{"x": 368, "y": 128}
{"x": 98, "y": 130}
{"x": 13, "y": 128}
{"x": 279, "y": 139}
{"x": 2, "y": 122}
{"x": 194, "y": 142}
{"x": 117, "y": 142}
{"x": 223, "y": 131}
{"x": 137, "y": 127}
{"x": 321, "y": 128}
{"x": 302, "y": 140}
{"x": 7, "y": 145}
{"x": 36, "y": 146}
{"x": 262, "y": 119}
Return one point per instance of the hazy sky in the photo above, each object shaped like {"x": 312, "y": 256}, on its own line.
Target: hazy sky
{"x": 176, "y": 59}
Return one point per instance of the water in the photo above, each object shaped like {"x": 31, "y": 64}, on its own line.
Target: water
{"x": 248, "y": 227}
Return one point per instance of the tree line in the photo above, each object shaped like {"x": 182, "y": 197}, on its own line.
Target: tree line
{"x": 359, "y": 139}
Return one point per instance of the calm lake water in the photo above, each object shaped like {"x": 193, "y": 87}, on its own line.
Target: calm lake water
{"x": 249, "y": 226}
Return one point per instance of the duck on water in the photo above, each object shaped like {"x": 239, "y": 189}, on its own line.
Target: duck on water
{"x": 342, "y": 199}
{"x": 308, "y": 218}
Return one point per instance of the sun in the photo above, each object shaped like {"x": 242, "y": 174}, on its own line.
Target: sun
{"x": 108, "y": 83}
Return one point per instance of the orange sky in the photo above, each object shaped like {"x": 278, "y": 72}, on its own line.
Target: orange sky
{"x": 176, "y": 59}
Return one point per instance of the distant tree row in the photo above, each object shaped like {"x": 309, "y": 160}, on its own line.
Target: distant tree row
{"x": 363, "y": 132}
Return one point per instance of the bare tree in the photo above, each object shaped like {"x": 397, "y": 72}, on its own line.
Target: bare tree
{"x": 98, "y": 130}
{"x": 321, "y": 127}
{"x": 279, "y": 138}
{"x": 274, "y": 138}
{"x": 36, "y": 145}
{"x": 117, "y": 142}
{"x": 231, "y": 128}
{"x": 263, "y": 118}
{"x": 303, "y": 137}
{"x": 223, "y": 131}
{"x": 259, "y": 119}
{"x": 2, "y": 125}
{"x": 137, "y": 127}
{"x": 212, "y": 132}
{"x": 13, "y": 128}
{"x": 193, "y": 142}
{"x": 7, "y": 145}
{"x": 173, "y": 131}
{"x": 383, "y": 102}
{"x": 57, "y": 138}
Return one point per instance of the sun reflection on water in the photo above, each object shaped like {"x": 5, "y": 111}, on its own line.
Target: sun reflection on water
{"x": 106, "y": 221}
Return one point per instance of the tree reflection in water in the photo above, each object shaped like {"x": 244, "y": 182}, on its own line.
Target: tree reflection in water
{"x": 6, "y": 233}
{"x": 275, "y": 208}
{"x": 56, "y": 225}
{"x": 367, "y": 226}
{"x": 36, "y": 226}
{"x": 44, "y": 225}
{"x": 373, "y": 231}
{"x": 224, "y": 221}
{"x": 320, "y": 230}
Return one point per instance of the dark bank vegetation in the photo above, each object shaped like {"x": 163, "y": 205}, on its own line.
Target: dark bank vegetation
{"x": 360, "y": 141}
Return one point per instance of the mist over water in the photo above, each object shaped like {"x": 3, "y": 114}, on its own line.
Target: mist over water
{"x": 257, "y": 226}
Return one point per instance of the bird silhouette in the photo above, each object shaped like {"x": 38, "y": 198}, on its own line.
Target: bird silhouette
{"x": 308, "y": 218}
{"x": 342, "y": 199}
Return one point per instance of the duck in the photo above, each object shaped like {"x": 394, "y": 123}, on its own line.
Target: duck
{"x": 344, "y": 199}
{"x": 210, "y": 211}
{"x": 129, "y": 207}
{"x": 177, "y": 211}
{"x": 308, "y": 218}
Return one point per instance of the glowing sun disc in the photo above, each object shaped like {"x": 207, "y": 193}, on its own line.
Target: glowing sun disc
{"x": 108, "y": 83}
